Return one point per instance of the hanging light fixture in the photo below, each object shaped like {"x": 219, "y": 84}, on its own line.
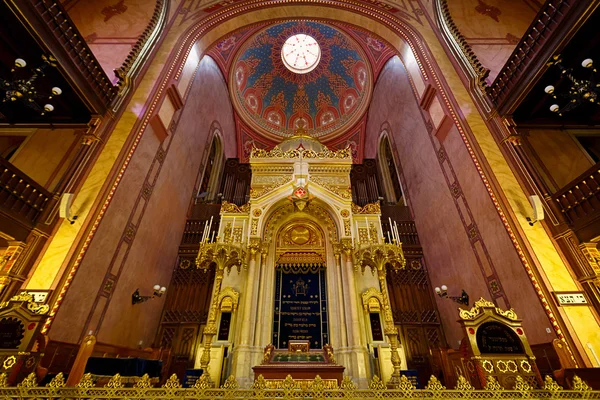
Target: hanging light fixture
{"x": 24, "y": 90}
{"x": 580, "y": 90}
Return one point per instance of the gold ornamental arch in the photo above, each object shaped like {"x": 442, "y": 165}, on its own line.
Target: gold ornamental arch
{"x": 300, "y": 241}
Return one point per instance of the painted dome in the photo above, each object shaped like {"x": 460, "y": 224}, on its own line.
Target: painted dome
{"x": 274, "y": 100}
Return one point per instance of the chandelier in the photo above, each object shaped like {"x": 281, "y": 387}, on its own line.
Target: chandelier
{"x": 580, "y": 90}
{"x": 24, "y": 90}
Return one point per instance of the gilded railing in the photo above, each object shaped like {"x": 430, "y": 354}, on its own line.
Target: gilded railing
{"x": 289, "y": 389}
{"x": 142, "y": 47}
{"x": 460, "y": 44}
{"x": 19, "y": 194}
{"x": 581, "y": 198}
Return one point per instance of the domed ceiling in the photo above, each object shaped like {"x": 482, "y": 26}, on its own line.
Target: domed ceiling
{"x": 272, "y": 100}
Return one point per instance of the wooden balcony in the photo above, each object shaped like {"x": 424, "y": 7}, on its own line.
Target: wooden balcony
{"x": 20, "y": 197}
{"x": 47, "y": 22}
{"x": 579, "y": 201}
{"x": 541, "y": 41}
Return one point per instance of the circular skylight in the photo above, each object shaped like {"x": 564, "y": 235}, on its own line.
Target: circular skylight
{"x": 301, "y": 53}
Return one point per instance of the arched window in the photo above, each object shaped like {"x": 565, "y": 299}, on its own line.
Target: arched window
{"x": 210, "y": 178}
{"x": 390, "y": 181}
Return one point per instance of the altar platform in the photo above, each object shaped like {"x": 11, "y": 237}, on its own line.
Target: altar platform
{"x": 301, "y": 363}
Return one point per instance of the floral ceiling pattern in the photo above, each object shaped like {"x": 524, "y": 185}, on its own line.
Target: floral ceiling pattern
{"x": 272, "y": 100}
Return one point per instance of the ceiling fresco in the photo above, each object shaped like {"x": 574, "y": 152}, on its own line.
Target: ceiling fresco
{"x": 227, "y": 50}
{"x": 272, "y": 99}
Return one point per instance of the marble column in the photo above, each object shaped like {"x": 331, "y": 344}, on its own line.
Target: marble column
{"x": 243, "y": 358}
{"x": 359, "y": 359}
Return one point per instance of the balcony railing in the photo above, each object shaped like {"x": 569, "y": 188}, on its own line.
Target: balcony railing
{"x": 580, "y": 199}
{"x": 292, "y": 389}
{"x": 533, "y": 51}
{"x": 20, "y": 196}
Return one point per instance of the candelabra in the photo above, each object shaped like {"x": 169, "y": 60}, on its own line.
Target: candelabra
{"x": 224, "y": 254}
{"x": 379, "y": 256}
{"x": 462, "y": 299}
{"x": 580, "y": 90}
{"x": 24, "y": 89}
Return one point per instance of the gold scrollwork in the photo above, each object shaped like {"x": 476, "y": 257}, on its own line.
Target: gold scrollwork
{"x": 9, "y": 362}
{"x": 501, "y": 366}
{"x": 476, "y": 310}
{"x": 228, "y": 207}
{"x": 344, "y": 193}
{"x": 276, "y": 152}
{"x": 371, "y": 208}
{"x": 487, "y": 366}
{"x": 37, "y": 308}
{"x": 277, "y": 182}
{"x": 512, "y": 366}
{"x": 525, "y": 366}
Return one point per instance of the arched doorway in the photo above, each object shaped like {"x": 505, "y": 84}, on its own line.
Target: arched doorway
{"x": 300, "y": 301}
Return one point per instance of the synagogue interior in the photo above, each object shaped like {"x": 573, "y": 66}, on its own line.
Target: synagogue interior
{"x": 299, "y": 198}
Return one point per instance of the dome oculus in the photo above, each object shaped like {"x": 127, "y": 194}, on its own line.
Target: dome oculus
{"x": 301, "y": 53}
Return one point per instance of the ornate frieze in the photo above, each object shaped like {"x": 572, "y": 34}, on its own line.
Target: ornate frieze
{"x": 276, "y": 152}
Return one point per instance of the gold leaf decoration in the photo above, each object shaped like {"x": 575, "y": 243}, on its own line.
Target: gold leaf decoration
{"x": 57, "y": 382}
{"x": 3, "y": 380}
{"x": 86, "y": 382}
{"x": 463, "y": 384}
{"x": 579, "y": 384}
{"x": 405, "y": 384}
{"x": 318, "y": 387}
{"x": 37, "y": 308}
{"x": 143, "y": 383}
{"x": 115, "y": 382}
{"x": 434, "y": 384}
{"x": 376, "y": 384}
{"x": 521, "y": 384}
{"x": 259, "y": 383}
{"x": 230, "y": 383}
{"x": 203, "y": 382}
{"x": 371, "y": 208}
{"x": 227, "y": 207}
{"x": 478, "y": 309}
{"x": 288, "y": 383}
{"x": 492, "y": 384}
{"x": 29, "y": 382}
{"x": 550, "y": 384}
{"x": 172, "y": 383}
{"x": 348, "y": 384}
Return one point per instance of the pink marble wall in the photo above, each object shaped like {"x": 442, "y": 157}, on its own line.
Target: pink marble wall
{"x": 137, "y": 240}
{"x": 443, "y": 217}
{"x": 493, "y": 27}
{"x": 110, "y": 27}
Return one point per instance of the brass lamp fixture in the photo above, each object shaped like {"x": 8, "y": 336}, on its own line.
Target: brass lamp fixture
{"x": 24, "y": 89}
{"x": 462, "y": 299}
{"x": 136, "y": 298}
{"x": 580, "y": 90}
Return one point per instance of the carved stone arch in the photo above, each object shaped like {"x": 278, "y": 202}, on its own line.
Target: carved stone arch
{"x": 300, "y": 239}
{"x": 370, "y": 296}
{"x": 314, "y": 209}
{"x": 228, "y": 299}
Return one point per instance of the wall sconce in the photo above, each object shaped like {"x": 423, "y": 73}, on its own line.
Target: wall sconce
{"x": 137, "y": 298}
{"x": 462, "y": 299}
